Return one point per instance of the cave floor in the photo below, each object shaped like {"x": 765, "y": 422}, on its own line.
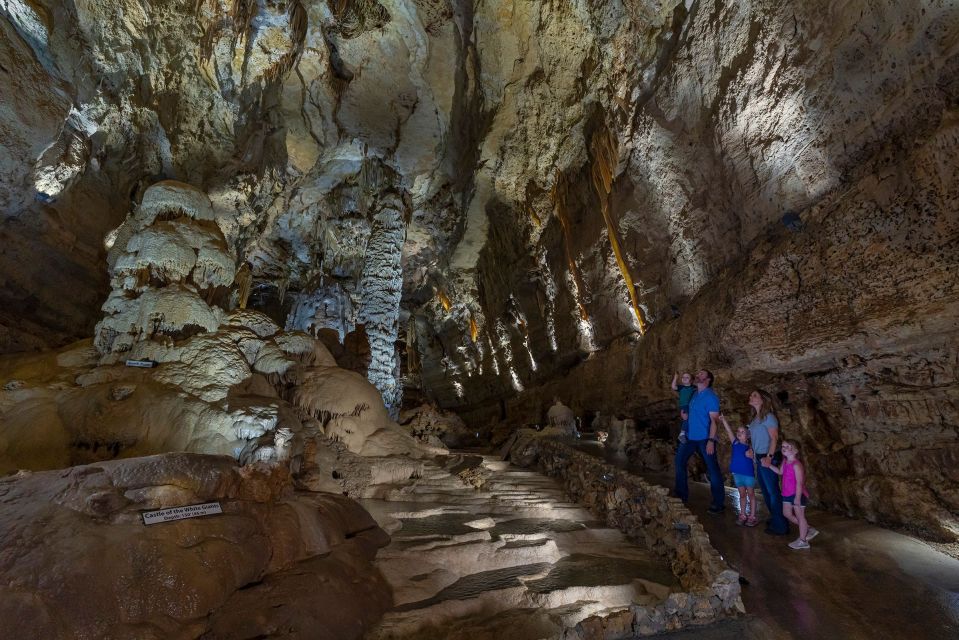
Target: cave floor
{"x": 514, "y": 559}
{"x": 857, "y": 581}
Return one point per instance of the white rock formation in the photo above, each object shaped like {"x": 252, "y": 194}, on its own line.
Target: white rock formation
{"x": 382, "y": 288}
{"x": 170, "y": 275}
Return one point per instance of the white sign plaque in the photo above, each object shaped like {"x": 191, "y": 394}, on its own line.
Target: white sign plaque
{"x": 180, "y": 513}
{"x": 145, "y": 364}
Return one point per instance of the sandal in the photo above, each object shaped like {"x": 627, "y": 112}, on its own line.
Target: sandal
{"x": 751, "y": 521}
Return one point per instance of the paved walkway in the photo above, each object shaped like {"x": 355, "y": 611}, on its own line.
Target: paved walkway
{"x": 514, "y": 560}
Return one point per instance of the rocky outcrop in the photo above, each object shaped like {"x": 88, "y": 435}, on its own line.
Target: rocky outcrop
{"x": 436, "y": 427}
{"x": 79, "y": 560}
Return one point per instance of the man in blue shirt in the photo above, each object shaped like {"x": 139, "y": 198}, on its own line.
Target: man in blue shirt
{"x": 703, "y": 425}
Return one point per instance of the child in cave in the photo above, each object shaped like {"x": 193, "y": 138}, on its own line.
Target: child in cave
{"x": 685, "y": 392}
{"x": 794, "y": 493}
{"x": 744, "y": 473}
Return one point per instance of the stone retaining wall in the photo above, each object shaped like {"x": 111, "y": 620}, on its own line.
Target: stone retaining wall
{"x": 649, "y": 516}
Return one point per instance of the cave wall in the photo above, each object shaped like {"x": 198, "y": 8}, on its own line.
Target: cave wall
{"x": 732, "y": 123}
{"x": 592, "y": 194}
{"x": 786, "y": 199}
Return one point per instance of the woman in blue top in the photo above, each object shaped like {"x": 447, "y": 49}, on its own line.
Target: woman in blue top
{"x": 744, "y": 473}
{"x": 764, "y": 434}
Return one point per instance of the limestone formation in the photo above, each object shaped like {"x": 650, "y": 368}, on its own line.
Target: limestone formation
{"x": 222, "y": 378}
{"x": 98, "y": 571}
{"x": 437, "y": 427}
{"x": 562, "y": 419}
{"x": 172, "y": 273}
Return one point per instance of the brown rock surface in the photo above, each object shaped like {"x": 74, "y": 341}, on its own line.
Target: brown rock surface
{"x": 78, "y": 561}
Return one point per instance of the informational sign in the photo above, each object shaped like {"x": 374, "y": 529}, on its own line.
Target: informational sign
{"x": 146, "y": 364}
{"x": 180, "y": 513}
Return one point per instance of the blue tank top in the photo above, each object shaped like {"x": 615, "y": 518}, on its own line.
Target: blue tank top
{"x": 739, "y": 463}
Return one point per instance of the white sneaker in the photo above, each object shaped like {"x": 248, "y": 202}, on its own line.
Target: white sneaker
{"x": 811, "y": 533}
{"x": 798, "y": 543}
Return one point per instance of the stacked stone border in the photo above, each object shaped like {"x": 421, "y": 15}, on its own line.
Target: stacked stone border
{"x": 648, "y": 516}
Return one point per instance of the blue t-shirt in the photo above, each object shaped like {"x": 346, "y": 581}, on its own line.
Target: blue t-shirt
{"x": 702, "y": 403}
{"x": 739, "y": 463}
{"x": 759, "y": 433}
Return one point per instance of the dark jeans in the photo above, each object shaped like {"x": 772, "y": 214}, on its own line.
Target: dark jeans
{"x": 683, "y": 454}
{"x": 769, "y": 483}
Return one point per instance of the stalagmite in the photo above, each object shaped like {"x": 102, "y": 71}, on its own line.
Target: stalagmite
{"x": 379, "y": 307}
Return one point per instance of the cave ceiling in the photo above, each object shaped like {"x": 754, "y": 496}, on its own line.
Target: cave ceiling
{"x": 496, "y": 189}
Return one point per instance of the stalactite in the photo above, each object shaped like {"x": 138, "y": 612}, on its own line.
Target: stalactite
{"x": 281, "y": 285}
{"x": 605, "y": 152}
{"x": 381, "y": 289}
{"x": 534, "y": 216}
{"x": 549, "y": 286}
{"x": 444, "y": 300}
{"x": 243, "y": 282}
{"x": 412, "y": 356}
{"x": 558, "y": 197}
{"x": 298, "y": 25}
{"x": 474, "y": 330}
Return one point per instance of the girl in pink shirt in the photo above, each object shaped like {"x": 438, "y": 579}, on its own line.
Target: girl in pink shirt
{"x": 794, "y": 493}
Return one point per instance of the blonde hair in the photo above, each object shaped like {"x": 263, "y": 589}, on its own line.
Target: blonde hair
{"x": 795, "y": 445}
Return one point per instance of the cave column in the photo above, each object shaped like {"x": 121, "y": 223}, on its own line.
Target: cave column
{"x": 381, "y": 290}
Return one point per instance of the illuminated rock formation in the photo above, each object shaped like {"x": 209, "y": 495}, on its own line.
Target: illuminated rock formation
{"x": 171, "y": 271}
